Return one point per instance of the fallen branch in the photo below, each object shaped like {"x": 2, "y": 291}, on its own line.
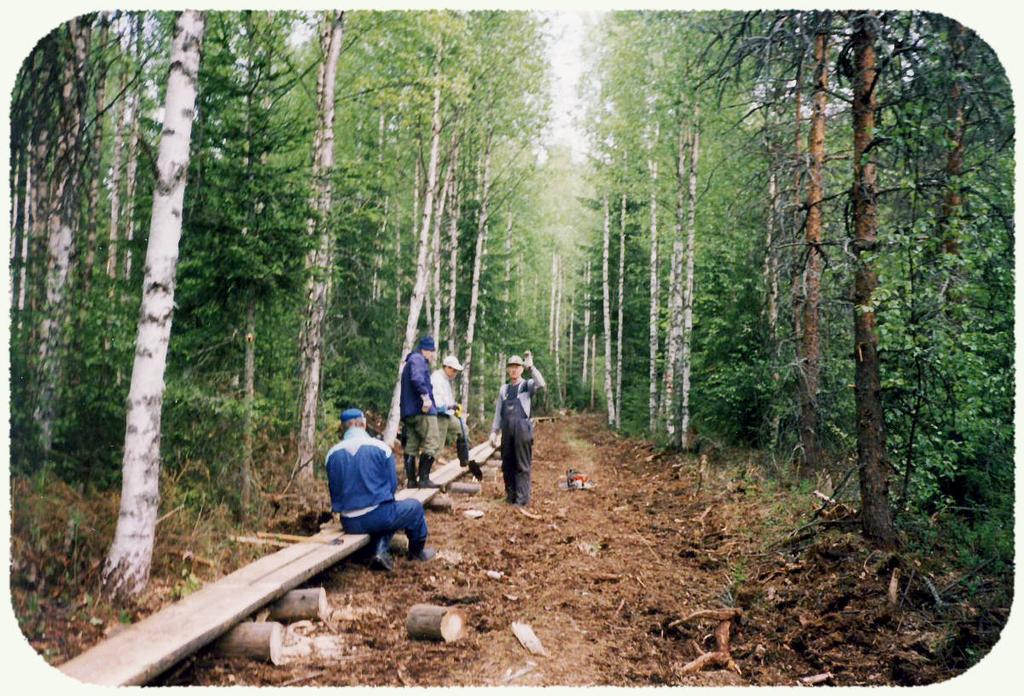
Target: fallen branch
{"x": 720, "y": 657}
{"x": 521, "y": 511}
{"x": 304, "y": 677}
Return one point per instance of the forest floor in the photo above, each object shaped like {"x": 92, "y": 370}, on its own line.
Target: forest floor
{"x": 605, "y": 576}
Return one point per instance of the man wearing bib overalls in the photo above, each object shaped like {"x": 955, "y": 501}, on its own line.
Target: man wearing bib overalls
{"x": 512, "y": 420}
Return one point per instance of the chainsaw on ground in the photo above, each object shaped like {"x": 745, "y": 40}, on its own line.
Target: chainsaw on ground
{"x": 577, "y": 481}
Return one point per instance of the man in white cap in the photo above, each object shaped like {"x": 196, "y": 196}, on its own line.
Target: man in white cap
{"x": 512, "y": 419}
{"x": 449, "y": 411}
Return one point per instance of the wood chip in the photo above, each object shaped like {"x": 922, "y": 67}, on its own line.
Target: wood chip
{"x": 529, "y": 640}
{"x": 494, "y": 574}
{"x": 816, "y": 678}
{"x": 512, "y": 676}
{"x": 473, "y": 514}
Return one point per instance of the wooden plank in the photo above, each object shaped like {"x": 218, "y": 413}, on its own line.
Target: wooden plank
{"x": 144, "y": 650}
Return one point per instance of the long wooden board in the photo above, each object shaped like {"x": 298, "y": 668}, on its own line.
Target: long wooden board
{"x": 144, "y": 650}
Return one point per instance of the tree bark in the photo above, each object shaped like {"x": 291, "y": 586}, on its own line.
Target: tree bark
{"x": 250, "y": 400}
{"x": 551, "y": 311}
{"x": 422, "y": 276}
{"x": 262, "y": 640}
{"x": 319, "y": 259}
{"x": 97, "y": 165}
{"x": 126, "y": 570}
{"x": 811, "y": 339}
{"x": 474, "y": 299}
{"x": 61, "y": 218}
{"x": 872, "y": 459}
{"x": 586, "y": 325}
{"x": 618, "y": 338}
{"x": 436, "y": 247}
{"x": 453, "y": 260}
{"x": 561, "y": 391}
{"x": 297, "y": 605}
{"x": 115, "y": 187}
{"x": 609, "y": 395}
{"x": 691, "y": 250}
{"x": 675, "y": 297}
{"x": 430, "y": 622}
{"x": 652, "y": 404}
{"x": 134, "y": 142}
{"x": 952, "y": 199}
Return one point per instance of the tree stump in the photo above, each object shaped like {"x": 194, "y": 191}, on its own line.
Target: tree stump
{"x": 301, "y": 604}
{"x": 463, "y": 488}
{"x": 256, "y": 641}
{"x": 431, "y": 622}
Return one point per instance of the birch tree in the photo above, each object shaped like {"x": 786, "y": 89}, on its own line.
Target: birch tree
{"x": 126, "y": 569}
{"x": 652, "y": 404}
{"x": 618, "y": 337}
{"x": 675, "y": 298}
{"x": 478, "y": 258}
{"x": 422, "y": 273}
{"x": 320, "y": 258}
{"x": 609, "y": 395}
{"x": 691, "y": 233}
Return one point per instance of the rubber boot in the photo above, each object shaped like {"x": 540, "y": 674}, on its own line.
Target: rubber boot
{"x": 410, "y": 470}
{"x": 426, "y": 461}
{"x": 382, "y": 557}
{"x": 463, "y": 451}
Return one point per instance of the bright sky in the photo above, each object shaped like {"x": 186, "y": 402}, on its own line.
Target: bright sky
{"x": 564, "y": 51}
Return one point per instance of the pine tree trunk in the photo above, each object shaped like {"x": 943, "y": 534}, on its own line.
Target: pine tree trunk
{"x": 652, "y": 404}
{"x": 609, "y": 396}
{"x": 126, "y": 570}
{"x": 60, "y": 240}
{"x": 691, "y": 235}
{"x": 319, "y": 259}
{"x": 618, "y": 338}
{"x": 811, "y": 339}
{"x": 872, "y": 460}
{"x": 474, "y": 299}
{"x": 422, "y": 273}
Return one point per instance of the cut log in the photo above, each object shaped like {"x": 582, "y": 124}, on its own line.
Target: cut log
{"x": 463, "y": 488}
{"x": 301, "y": 604}
{"x": 440, "y": 502}
{"x": 431, "y": 622}
{"x": 256, "y": 641}
{"x": 528, "y": 638}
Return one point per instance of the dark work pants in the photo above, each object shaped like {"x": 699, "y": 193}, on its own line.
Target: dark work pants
{"x": 516, "y": 460}
{"x": 388, "y": 518}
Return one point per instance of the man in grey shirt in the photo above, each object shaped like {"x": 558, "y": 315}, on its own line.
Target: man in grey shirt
{"x": 512, "y": 420}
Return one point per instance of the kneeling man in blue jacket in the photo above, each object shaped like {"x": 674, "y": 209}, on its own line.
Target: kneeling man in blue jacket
{"x": 362, "y": 480}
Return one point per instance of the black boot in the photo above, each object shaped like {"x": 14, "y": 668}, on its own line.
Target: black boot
{"x": 382, "y": 557}
{"x": 410, "y": 470}
{"x": 426, "y": 461}
{"x": 423, "y": 554}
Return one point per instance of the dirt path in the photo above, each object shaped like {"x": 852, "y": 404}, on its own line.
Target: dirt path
{"x": 600, "y": 575}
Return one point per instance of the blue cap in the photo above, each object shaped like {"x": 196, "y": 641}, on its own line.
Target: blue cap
{"x": 351, "y": 414}
{"x": 426, "y": 343}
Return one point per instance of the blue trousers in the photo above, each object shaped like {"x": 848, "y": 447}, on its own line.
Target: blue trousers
{"x": 388, "y": 518}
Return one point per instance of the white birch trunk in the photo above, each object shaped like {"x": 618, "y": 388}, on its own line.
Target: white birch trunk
{"x": 318, "y": 260}
{"x": 652, "y": 403}
{"x": 126, "y": 570}
{"x": 586, "y": 324}
{"x": 422, "y": 274}
{"x": 474, "y": 298}
{"x": 675, "y": 302}
{"x": 60, "y": 220}
{"x": 436, "y": 247}
{"x": 453, "y": 261}
{"x": 558, "y": 336}
{"x": 572, "y": 321}
{"x": 115, "y": 188}
{"x": 618, "y": 340}
{"x": 688, "y": 296}
{"x": 551, "y": 311}
{"x": 609, "y": 395}
{"x": 593, "y": 369}
{"x": 133, "y": 161}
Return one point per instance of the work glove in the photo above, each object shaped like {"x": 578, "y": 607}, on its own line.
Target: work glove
{"x": 528, "y": 360}
{"x": 458, "y": 410}
{"x": 427, "y": 403}
{"x": 493, "y": 439}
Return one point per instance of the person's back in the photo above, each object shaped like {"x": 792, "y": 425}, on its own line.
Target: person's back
{"x": 360, "y": 472}
{"x": 415, "y": 383}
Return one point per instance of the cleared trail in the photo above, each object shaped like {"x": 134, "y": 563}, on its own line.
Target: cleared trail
{"x": 603, "y": 577}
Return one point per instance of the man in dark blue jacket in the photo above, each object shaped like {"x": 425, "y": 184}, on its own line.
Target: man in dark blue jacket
{"x": 419, "y": 415}
{"x": 361, "y": 477}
